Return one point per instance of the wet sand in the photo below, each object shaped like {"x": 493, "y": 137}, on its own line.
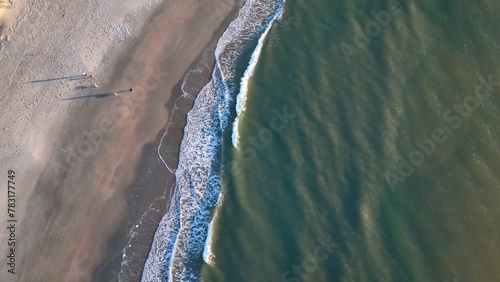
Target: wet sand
{"x": 129, "y": 248}
{"x": 77, "y": 161}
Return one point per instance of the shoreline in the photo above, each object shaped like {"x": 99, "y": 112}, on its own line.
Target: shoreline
{"x": 181, "y": 238}
{"x": 72, "y": 212}
{"x": 153, "y": 171}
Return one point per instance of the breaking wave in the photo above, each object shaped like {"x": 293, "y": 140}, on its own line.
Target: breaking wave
{"x": 181, "y": 239}
{"x": 242, "y": 96}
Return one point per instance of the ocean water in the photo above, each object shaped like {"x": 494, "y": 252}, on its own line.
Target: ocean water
{"x": 181, "y": 245}
{"x": 347, "y": 140}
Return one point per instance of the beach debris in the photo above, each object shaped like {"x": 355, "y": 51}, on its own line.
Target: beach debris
{"x": 116, "y": 94}
{"x": 130, "y": 89}
{"x": 95, "y": 85}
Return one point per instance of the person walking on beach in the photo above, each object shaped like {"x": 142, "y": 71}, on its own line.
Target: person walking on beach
{"x": 116, "y": 93}
{"x": 87, "y": 75}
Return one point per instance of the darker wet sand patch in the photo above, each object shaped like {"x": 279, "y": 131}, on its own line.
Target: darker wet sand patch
{"x": 152, "y": 187}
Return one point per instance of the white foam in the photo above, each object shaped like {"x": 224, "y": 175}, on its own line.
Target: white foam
{"x": 183, "y": 233}
{"x": 208, "y": 255}
{"x": 241, "y": 99}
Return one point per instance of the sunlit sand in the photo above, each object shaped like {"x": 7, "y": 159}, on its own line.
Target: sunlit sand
{"x": 73, "y": 195}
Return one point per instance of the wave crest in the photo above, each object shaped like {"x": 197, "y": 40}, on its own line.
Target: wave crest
{"x": 179, "y": 243}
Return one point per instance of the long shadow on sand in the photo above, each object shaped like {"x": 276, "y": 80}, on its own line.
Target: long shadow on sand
{"x": 101, "y": 95}
{"x": 97, "y": 96}
{"x": 74, "y": 77}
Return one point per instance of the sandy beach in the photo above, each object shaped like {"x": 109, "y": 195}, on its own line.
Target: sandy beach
{"x": 86, "y": 162}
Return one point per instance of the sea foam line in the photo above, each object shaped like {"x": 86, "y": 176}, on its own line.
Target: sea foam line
{"x": 241, "y": 98}
{"x": 181, "y": 238}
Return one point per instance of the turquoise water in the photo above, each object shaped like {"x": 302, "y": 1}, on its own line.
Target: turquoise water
{"x": 368, "y": 157}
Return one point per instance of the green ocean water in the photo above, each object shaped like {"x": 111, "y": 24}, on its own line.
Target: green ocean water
{"x": 388, "y": 166}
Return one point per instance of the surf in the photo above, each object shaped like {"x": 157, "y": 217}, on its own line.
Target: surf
{"x": 241, "y": 98}
{"x": 183, "y": 234}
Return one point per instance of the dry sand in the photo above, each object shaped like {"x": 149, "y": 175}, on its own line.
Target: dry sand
{"x": 75, "y": 158}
